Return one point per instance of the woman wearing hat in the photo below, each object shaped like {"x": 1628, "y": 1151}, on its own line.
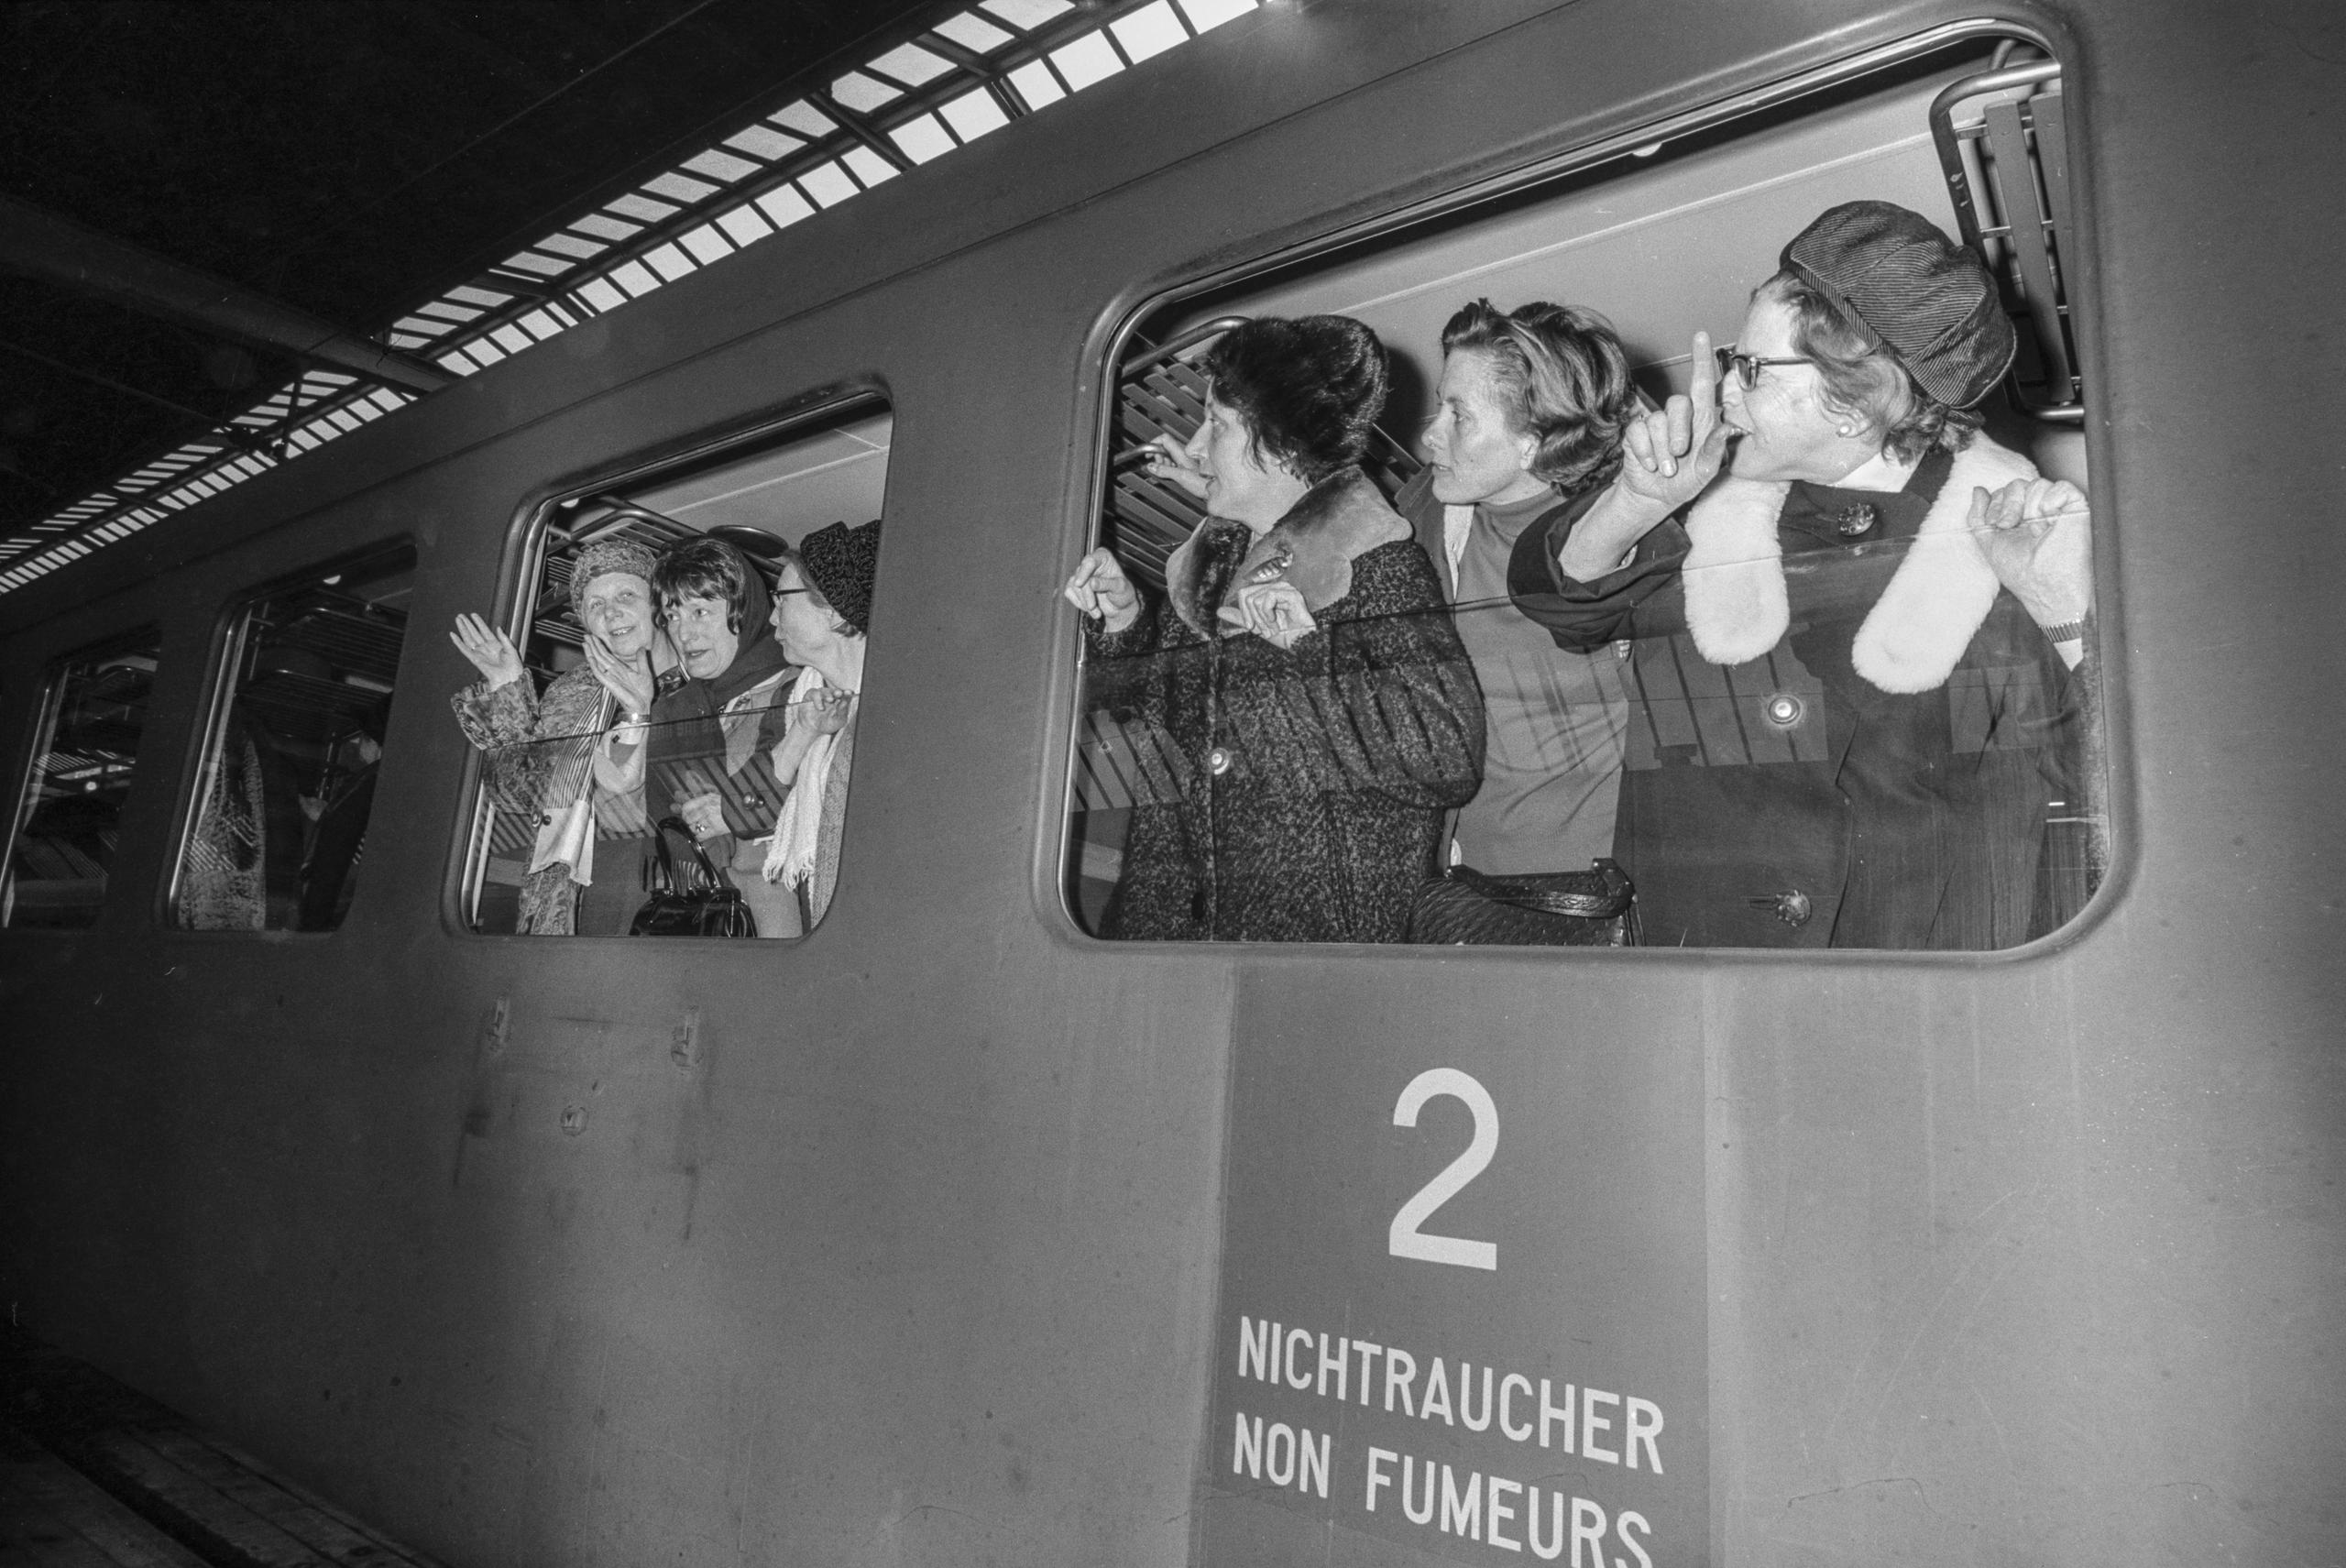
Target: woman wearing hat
{"x": 822, "y": 611}
{"x": 1866, "y": 541}
{"x": 540, "y": 747}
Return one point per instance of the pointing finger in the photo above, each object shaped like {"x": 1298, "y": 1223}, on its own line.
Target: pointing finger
{"x": 1705, "y": 391}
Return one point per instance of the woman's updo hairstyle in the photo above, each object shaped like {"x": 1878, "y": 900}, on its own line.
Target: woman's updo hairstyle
{"x": 1309, "y": 388}
{"x": 1562, "y": 379}
{"x": 1865, "y": 382}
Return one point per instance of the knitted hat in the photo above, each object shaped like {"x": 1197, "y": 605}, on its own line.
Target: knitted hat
{"x": 602, "y": 558}
{"x": 1928, "y": 301}
{"x": 842, "y": 563}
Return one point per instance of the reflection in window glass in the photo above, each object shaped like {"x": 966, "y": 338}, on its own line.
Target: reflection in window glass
{"x": 289, "y": 774}
{"x": 64, "y": 842}
{"x": 666, "y": 750}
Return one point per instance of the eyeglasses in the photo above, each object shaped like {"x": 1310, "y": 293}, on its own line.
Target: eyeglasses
{"x": 1747, "y": 366}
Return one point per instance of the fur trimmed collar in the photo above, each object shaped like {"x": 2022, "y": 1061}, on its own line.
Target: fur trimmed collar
{"x": 1915, "y": 632}
{"x": 1334, "y": 523}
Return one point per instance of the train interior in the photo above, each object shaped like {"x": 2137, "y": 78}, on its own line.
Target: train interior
{"x": 64, "y": 837}
{"x": 1665, "y": 239}
{"x": 759, "y": 496}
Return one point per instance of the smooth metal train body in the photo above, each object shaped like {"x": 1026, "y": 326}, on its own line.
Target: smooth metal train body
{"x": 950, "y": 1235}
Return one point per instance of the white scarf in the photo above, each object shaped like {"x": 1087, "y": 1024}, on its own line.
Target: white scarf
{"x": 790, "y": 853}
{"x": 1913, "y": 635}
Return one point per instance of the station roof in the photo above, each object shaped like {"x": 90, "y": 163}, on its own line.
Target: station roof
{"x": 440, "y": 182}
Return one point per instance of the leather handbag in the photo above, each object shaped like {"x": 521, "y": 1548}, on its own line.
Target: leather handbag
{"x": 702, "y": 903}
{"x": 1595, "y": 908}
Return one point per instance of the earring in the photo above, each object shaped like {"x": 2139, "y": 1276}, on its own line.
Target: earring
{"x": 1847, "y": 430}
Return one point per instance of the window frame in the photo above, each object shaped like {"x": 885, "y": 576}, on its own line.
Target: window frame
{"x": 521, "y": 581}
{"x": 224, "y": 652}
{"x": 1113, "y": 338}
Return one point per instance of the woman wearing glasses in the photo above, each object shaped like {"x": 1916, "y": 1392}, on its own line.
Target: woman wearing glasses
{"x": 1901, "y": 605}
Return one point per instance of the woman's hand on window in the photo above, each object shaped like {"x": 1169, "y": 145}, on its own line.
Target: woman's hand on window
{"x": 2037, "y": 534}
{"x": 1275, "y": 613}
{"x": 1169, "y": 461}
{"x": 1100, "y": 588}
{"x": 491, "y": 652}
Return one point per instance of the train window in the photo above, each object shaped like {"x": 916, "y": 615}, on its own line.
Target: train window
{"x": 1464, "y": 676}
{"x": 667, "y": 743}
{"x": 91, "y": 716}
{"x": 288, "y": 781}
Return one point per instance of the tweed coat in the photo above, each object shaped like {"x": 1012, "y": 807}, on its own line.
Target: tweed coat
{"x": 1298, "y": 794}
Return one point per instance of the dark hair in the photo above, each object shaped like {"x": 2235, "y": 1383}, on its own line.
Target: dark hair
{"x": 1865, "y": 381}
{"x": 704, "y": 568}
{"x": 1310, "y": 389}
{"x": 1565, "y": 381}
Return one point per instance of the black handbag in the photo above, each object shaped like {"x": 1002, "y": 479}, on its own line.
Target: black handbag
{"x": 710, "y": 906}
{"x": 1595, "y": 908}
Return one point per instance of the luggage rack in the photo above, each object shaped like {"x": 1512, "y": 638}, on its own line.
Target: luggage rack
{"x": 2007, "y": 167}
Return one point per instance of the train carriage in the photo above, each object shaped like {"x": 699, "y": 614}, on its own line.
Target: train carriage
{"x": 954, "y": 1232}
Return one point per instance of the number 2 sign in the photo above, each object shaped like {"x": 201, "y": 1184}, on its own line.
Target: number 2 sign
{"x": 1405, "y": 1239}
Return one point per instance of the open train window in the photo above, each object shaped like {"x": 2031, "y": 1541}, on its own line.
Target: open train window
{"x": 666, "y": 739}
{"x": 1339, "y": 687}
{"x": 93, "y": 712}
{"x": 288, "y": 782}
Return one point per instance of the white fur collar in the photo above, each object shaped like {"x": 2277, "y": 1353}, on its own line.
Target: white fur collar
{"x": 1911, "y": 639}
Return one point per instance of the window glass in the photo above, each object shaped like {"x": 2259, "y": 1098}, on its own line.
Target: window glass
{"x": 1385, "y": 691}
{"x": 666, "y": 749}
{"x": 96, "y": 708}
{"x": 288, "y": 782}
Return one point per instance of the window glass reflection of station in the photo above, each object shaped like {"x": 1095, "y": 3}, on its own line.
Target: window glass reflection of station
{"x": 93, "y": 711}
{"x": 556, "y": 849}
{"x": 286, "y": 786}
{"x": 1670, "y": 238}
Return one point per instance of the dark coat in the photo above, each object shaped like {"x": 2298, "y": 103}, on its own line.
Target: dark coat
{"x": 1292, "y": 794}
{"x": 1787, "y": 800}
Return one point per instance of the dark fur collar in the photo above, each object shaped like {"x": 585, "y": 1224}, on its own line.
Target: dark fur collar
{"x": 1332, "y": 524}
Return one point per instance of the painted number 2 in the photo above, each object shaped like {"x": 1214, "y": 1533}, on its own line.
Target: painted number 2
{"x": 1405, "y": 1240}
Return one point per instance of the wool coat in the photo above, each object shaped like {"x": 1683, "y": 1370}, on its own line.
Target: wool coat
{"x": 1850, "y": 737}
{"x": 1292, "y": 794}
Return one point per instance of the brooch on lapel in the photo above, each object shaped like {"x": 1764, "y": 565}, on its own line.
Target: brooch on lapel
{"x": 1855, "y": 519}
{"x": 1272, "y": 569}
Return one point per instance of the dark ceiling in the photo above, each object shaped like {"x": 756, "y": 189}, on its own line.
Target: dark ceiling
{"x": 350, "y": 158}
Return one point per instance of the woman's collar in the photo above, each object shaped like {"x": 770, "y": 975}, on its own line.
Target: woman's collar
{"x": 1880, "y": 472}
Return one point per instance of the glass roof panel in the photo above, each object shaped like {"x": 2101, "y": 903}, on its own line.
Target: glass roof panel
{"x": 972, "y": 31}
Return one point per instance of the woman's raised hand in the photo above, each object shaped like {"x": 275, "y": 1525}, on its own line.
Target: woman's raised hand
{"x": 491, "y": 652}
{"x": 826, "y": 711}
{"x": 1100, "y": 588}
{"x": 1168, "y": 460}
{"x": 1667, "y": 457}
{"x": 1275, "y": 613}
{"x": 629, "y": 680}
{"x": 2037, "y": 534}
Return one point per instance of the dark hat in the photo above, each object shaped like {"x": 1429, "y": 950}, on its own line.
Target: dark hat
{"x": 1915, "y": 292}
{"x": 842, "y": 563}
{"x": 600, "y": 560}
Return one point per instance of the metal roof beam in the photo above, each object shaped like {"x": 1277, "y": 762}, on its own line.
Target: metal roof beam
{"x": 64, "y": 252}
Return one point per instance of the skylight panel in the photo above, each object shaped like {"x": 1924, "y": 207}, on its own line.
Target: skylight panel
{"x": 1088, "y": 60}
{"x": 783, "y": 206}
{"x": 764, "y": 141}
{"x": 911, "y": 64}
{"x": 1036, "y": 84}
{"x": 972, "y": 31}
{"x": 644, "y": 208}
{"x": 448, "y": 311}
{"x": 572, "y": 246}
{"x": 743, "y": 227}
{"x": 600, "y": 293}
{"x": 670, "y": 263}
{"x": 1028, "y": 14}
{"x": 531, "y": 261}
{"x": 973, "y": 115}
{"x": 1207, "y": 14}
{"x": 472, "y": 296}
{"x": 828, "y": 184}
{"x": 706, "y": 244}
{"x": 868, "y": 166}
{"x": 860, "y": 92}
{"x": 636, "y": 278}
{"x": 1150, "y": 30}
{"x": 923, "y": 138}
{"x": 803, "y": 118}
{"x": 605, "y": 226}
{"x": 679, "y": 188}
{"x": 720, "y": 166}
